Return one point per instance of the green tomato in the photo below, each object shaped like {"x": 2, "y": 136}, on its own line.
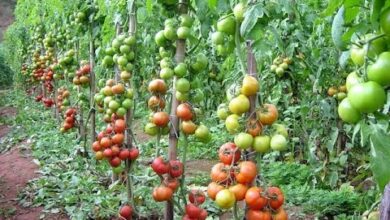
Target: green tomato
{"x": 202, "y": 132}
{"x": 183, "y": 97}
{"x": 108, "y": 61}
{"x": 183, "y": 32}
{"x": 125, "y": 49}
{"x": 341, "y": 95}
{"x": 239, "y": 105}
{"x": 352, "y": 80}
{"x": 367, "y": 97}
{"x": 160, "y": 38}
{"x": 166, "y": 73}
{"x": 109, "y": 51}
{"x": 113, "y": 105}
{"x": 116, "y": 44}
{"x": 227, "y": 25}
{"x": 348, "y": 113}
{"x": 121, "y": 111}
{"x": 278, "y": 143}
{"x": 186, "y": 20}
{"x": 169, "y": 33}
{"x": 198, "y": 97}
{"x": 376, "y": 47}
{"x": 117, "y": 170}
{"x": 280, "y": 129}
{"x": 225, "y": 199}
{"x": 180, "y": 70}
{"x": 222, "y": 112}
{"x": 239, "y": 11}
{"x": 183, "y": 85}
{"x": 122, "y": 60}
{"x": 151, "y": 129}
{"x": 127, "y": 103}
{"x": 201, "y": 62}
{"x": 385, "y": 21}
{"x": 232, "y": 124}
{"x": 217, "y": 38}
{"x": 130, "y": 40}
{"x": 379, "y": 71}
{"x": 243, "y": 140}
{"x": 262, "y": 144}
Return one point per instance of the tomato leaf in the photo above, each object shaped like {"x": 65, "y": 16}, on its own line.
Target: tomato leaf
{"x": 337, "y": 29}
{"x": 212, "y": 4}
{"x": 149, "y": 6}
{"x": 380, "y": 157}
{"x": 332, "y": 6}
{"x": 250, "y": 20}
{"x": 376, "y": 7}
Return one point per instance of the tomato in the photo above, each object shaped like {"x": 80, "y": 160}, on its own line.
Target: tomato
{"x": 229, "y": 154}
{"x": 217, "y": 38}
{"x": 239, "y": 105}
{"x": 202, "y": 133}
{"x": 212, "y": 189}
{"x": 160, "y": 119}
{"x": 203, "y": 215}
{"x": 118, "y": 138}
{"x": 243, "y": 140}
{"x": 184, "y": 112}
{"x": 348, "y": 113}
{"x": 172, "y": 183}
{"x": 118, "y": 89}
{"x": 200, "y": 63}
{"x": 258, "y": 215}
{"x": 156, "y": 103}
{"x": 99, "y": 155}
{"x": 188, "y": 127}
{"x": 162, "y": 193}
{"x": 192, "y": 210}
{"x": 222, "y": 112}
{"x": 276, "y": 198}
{"x": 96, "y": 146}
{"x": 332, "y": 91}
{"x": 113, "y": 105}
{"x": 254, "y": 198}
{"x": 183, "y": 32}
{"x": 115, "y": 150}
{"x": 126, "y": 211}
{"x": 160, "y": 166}
{"x": 186, "y": 20}
{"x": 278, "y": 142}
{"x": 183, "y": 85}
{"x": 176, "y": 168}
{"x": 239, "y": 191}
{"x": 250, "y": 86}
{"x": 280, "y": 215}
{"x": 169, "y": 33}
{"x": 227, "y": 25}
{"x": 115, "y": 162}
{"x": 367, "y": 97}
{"x": 151, "y": 129}
{"x": 134, "y": 153}
{"x": 183, "y": 97}
{"x": 239, "y": 11}
{"x": 281, "y": 129}
{"x": 262, "y": 144}
{"x": 267, "y": 114}
{"x": 220, "y": 173}
{"x": 160, "y": 39}
{"x": 197, "y": 197}
{"x": 378, "y": 72}
{"x": 124, "y": 154}
{"x": 232, "y": 124}
{"x": 157, "y": 86}
{"x": 166, "y": 73}
{"x": 385, "y": 21}
{"x": 254, "y": 127}
{"x": 225, "y": 199}
{"x": 247, "y": 172}
{"x": 180, "y": 70}
{"x": 105, "y": 142}
{"x": 119, "y": 126}
{"x": 358, "y": 52}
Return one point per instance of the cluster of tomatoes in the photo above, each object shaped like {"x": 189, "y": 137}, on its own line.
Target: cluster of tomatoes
{"x": 367, "y": 96}
{"x": 280, "y": 65}
{"x": 251, "y": 135}
{"x": 224, "y": 38}
{"x": 47, "y": 102}
{"x": 193, "y": 211}
{"x": 169, "y": 172}
{"x": 232, "y": 180}
{"x": 82, "y": 75}
{"x": 122, "y": 54}
{"x": 62, "y": 98}
{"x": 113, "y": 99}
{"x": 110, "y": 143}
{"x": 186, "y": 114}
{"x": 338, "y": 92}
{"x": 68, "y": 62}
{"x": 70, "y": 120}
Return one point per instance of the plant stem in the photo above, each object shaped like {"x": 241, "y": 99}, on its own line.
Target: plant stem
{"x": 184, "y": 159}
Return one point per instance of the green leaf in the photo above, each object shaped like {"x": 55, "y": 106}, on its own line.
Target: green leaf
{"x": 149, "y": 6}
{"x": 344, "y": 58}
{"x": 212, "y": 4}
{"x": 380, "y": 157}
{"x": 332, "y": 6}
{"x": 333, "y": 138}
{"x": 250, "y": 20}
{"x": 337, "y": 29}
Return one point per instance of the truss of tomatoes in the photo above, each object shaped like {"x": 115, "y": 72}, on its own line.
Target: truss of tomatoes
{"x": 110, "y": 143}
{"x": 232, "y": 181}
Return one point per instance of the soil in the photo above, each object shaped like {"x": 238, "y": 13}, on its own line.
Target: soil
{"x": 16, "y": 171}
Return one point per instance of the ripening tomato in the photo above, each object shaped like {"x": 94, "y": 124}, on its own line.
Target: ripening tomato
{"x": 160, "y": 166}
{"x": 197, "y": 197}
{"x": 124, "y": 154}
{"x": 258, "y": 215}
{"x": 96, "y": 146}
{"x": 220, "y": 174}
{"x": 229, "y": 153}
{"x": 254, "y": 127}
{"x": 119, "y": 126}
{"x": 105, "y": 142}
{"x": 203, "y": 215}
{"x": 247, "y": 172}
{"x": 212, "y": 189}
{"x": 239, "y": 191}
{"x": 267, "y": 114}
{"x": 280, "y": 215}
{"x": 162, "y": 193}
{"x": 184, "y": 112}
{"x": 172, "y": 183}
{"x": 118, "y": 138}
{"x": 254, "y": 198}
{"x": 156, "y": 103}
{"x": 157, "y": 86}
{"x": 125, "y": 212}
{"x": 250, "y": 85}
{"x": 115, "y": 162}
{"x": 188, "y": 127}
{"x": 225, "y": 199}
{"x": 176, "y": 168}
{"x": 276, "y": 198}
{"x": 193, "y": 211}
{"x": 133, "y": 153}
{"x": 160, "y": 119}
